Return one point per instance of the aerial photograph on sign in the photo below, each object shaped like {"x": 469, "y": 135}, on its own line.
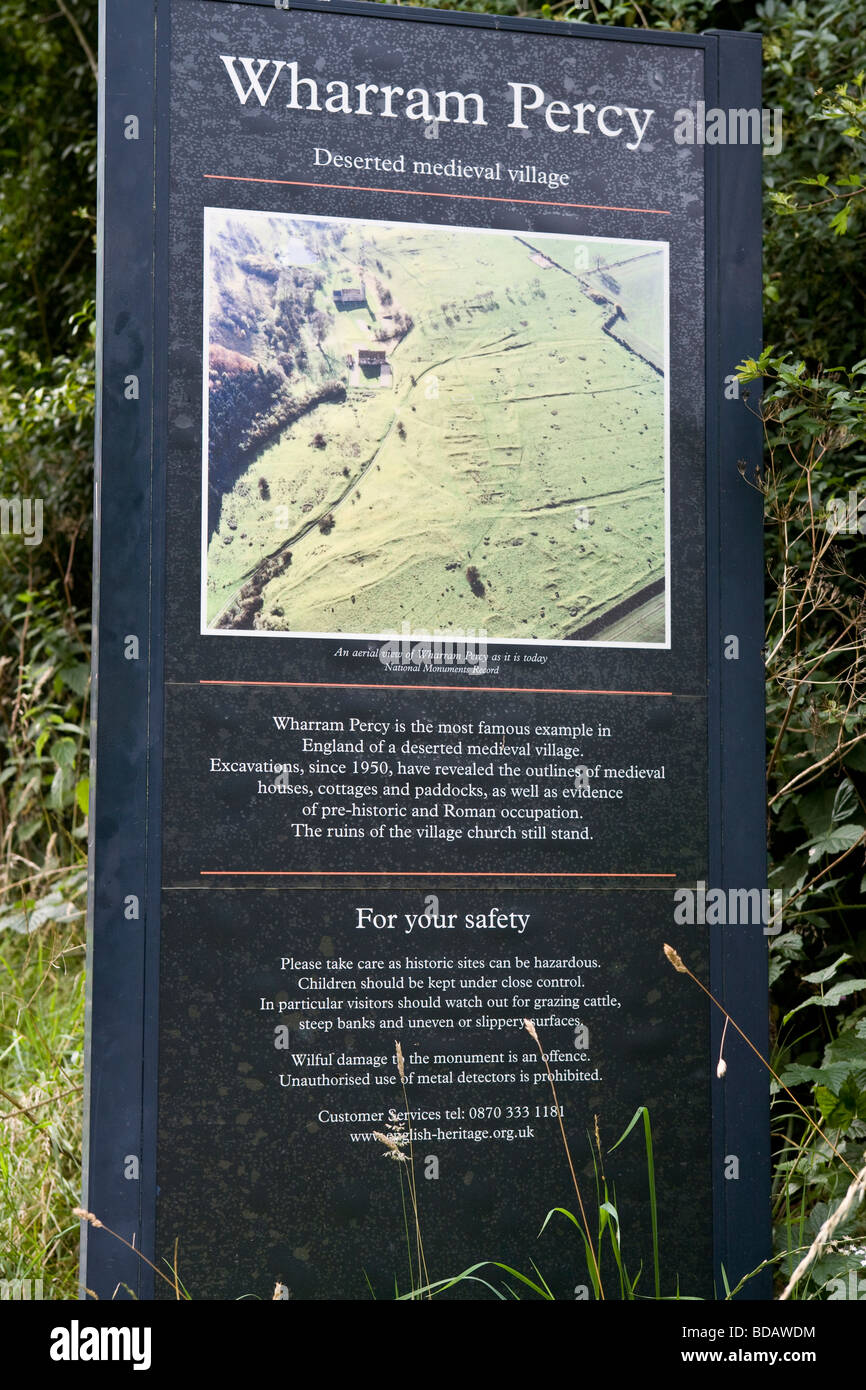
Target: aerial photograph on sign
{"x": 413, "y": 426}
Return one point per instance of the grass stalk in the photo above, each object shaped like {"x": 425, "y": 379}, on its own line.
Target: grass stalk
{"x": 530, "y": 1028}
{"x": 852, "y": 1198}
{"x": 98, "y": 1225}
{"x": 651, "y": 1177}
{"x": 423, "y": 1276}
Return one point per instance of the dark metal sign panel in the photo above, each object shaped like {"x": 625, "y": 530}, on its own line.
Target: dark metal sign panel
{"x": 429, "y": 668}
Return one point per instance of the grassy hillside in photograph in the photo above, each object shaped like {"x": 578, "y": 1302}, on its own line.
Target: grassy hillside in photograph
{"x": 458, "y": 430}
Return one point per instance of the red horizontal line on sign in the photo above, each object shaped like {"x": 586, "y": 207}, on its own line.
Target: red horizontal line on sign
{"x": 404, "y": 873}
{"x": 425, "y": 193}
{"x": 498, "y": 689}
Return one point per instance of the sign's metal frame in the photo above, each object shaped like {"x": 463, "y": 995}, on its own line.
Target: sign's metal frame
{"x": 125, "y": 847}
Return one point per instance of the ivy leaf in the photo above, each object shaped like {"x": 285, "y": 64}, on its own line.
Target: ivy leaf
{"x": 834, "y": 996}
{"x": 840, "y": 991}
{"x": 835, "y": 1110}
{"x": 820, "y": 977}
{"x": 797, "y": 1073}
{"x": 834, "y": 842}
{"x": 815, "y": 809}
{"x": 54, "y": 908}
{"x": 29, "y": 829}
{"x": 846, "y": 801}
{"x": 76, "y": 675}
{"x": 63, "y": 751}
{"x": 55, "y": 796}
{"x": 777, "y": 968}
{"x": 849, "y": 1048}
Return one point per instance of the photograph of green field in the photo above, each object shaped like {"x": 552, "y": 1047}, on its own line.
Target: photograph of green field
{"x": 457, "y": 430}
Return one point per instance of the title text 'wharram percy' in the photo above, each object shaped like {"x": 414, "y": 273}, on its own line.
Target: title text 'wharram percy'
{"x": 262, "y": 78}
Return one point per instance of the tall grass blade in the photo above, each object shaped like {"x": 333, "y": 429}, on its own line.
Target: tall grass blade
{"x": 651, "y": 1176}
{"x": 591, "y": 1262}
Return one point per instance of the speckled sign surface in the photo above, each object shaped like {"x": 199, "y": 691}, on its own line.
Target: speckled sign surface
{"x": 434, "y": 756}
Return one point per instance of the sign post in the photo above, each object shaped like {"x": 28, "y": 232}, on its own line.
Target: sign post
{"x": 429, "y": 668}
